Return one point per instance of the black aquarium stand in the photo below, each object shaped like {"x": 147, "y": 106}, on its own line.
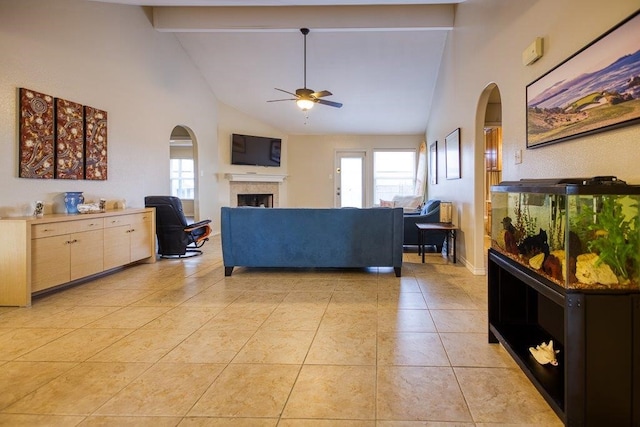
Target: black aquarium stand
{"x": 597, "y": 380}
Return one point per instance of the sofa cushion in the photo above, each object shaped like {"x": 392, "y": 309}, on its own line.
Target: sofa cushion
{"x": 430, "y": 206}
{"x": 411, "y": 202}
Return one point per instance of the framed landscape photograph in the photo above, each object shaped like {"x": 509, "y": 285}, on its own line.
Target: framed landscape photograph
{"x": 596, "y": 89}
{"x": 452, "y": 154}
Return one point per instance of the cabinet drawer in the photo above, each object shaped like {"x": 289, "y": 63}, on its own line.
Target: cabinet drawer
{"x": 39, "y": 231}
{"x": 140, "y": 218}
{"x": 117, "y": 221}
{"x": 87, "y": 225}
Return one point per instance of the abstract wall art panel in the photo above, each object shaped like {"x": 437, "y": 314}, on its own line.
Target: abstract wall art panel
{"x": 69, "y": 140}
{"x": 95, "y": 148}
{"x": 36, "y": 146}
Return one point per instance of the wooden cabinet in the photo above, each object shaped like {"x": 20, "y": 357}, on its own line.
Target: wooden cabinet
{"x": 126, "y": 239}
{"x": 39, "y": 254}
{"x": 597, "y": 380}
{"x": 65, "y": 251}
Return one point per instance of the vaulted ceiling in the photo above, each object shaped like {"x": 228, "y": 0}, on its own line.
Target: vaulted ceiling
{"x": 380, "y": 59}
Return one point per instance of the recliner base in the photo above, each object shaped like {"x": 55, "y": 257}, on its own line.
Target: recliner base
{"x": 190, "y": 253}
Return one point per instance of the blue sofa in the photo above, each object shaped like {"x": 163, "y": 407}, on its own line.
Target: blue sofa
{"x": 430, "y": 213}
{"x": 311, "y": 237}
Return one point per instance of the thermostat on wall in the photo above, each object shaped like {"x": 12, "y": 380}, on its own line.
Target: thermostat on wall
{"x": 533, "y": 52}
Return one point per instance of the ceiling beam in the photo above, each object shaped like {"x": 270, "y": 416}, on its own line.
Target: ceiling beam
{"x": 291, "y": 18}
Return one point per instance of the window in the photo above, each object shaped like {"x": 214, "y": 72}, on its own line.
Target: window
{"x": 394, "y": 174}
{"x": 182, "y": 178}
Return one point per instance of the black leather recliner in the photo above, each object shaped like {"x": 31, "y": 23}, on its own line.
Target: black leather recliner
{"x": 176, "y": 238}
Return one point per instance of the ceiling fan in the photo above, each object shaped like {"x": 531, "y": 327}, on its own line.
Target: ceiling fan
{"x": 305, "y": 98}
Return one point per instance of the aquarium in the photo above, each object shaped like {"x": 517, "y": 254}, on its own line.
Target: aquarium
{"x": 581, "y": 233}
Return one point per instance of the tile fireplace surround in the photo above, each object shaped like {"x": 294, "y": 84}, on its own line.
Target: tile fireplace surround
{"x": 238, "y": 187}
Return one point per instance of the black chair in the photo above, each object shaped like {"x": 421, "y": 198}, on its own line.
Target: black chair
{"x": 176, "y": 238}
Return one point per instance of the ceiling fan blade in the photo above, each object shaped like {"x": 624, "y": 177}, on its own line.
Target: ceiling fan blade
{"x": 321, "y": 94}
{"x": 329, "y": 103}
{"x": 286, "y": 91}
{"x": 278, "y": 100}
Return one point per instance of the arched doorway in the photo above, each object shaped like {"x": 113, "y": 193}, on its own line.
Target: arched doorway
{"x": 489, "y": 142}
{"x": 183, "y": 169}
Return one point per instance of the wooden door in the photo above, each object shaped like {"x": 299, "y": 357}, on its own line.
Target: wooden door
{"x": 117, "y": 245}
{"x": 50, "y": 260}
{"x": 141, "y": 237}
{"x": 86, "y": 253}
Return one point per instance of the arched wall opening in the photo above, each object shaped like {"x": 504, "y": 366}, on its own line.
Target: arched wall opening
{"x": 488, "y": 166}
{"x": 183, "y": 169}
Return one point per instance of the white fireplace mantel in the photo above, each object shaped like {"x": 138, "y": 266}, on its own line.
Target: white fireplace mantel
{"x": 254, "y": 177}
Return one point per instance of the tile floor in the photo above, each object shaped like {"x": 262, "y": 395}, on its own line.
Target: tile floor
{"x": 177, "y": 343}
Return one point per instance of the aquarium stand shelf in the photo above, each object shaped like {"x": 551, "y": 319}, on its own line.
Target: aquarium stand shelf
{"x": 597, "y": 380}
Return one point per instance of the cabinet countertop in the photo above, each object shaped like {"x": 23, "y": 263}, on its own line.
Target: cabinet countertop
{"x": 58, "y": 217}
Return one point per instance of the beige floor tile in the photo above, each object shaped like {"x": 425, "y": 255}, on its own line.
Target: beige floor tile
{"x": 118, "y": 297}
{"x": 276, "y": 346}
{"x": 346, "y": 299}
{"x": 168, "y": 389}
{"x": 240, "y": 317}
{"x": 452, "y": 299}
{"x": 311, "y": 294}
{"x": 491, "y": 402}
{"x": 427, "y": 424}
{"x": 325, "y": 423}
{"x": 474, "y": 350}
{"x": 394, "y": 320}
{"x": 403, "y": 300}
{"x": 72, "y": 317}
{"x": 76, "y": 346}
{"x": 405, "y": 283}
{"x": 300, "y": 317}
{"x": 209, "y": 346}
{"x": 262, "y": 297}
{"x": 79, "y": 391}
{"x": 213, "y": 297}
{"x": 228, "y": 422}
{"x": 142, "y": 345}
{"x": 128, "y": 317}
{"x": 355, "y": 318}
{"x": 17, "y": 379}
{"x": 124, "y": 421}
{"x": 334, "y": 347}
{"x": 333, "y": 392}
{"x": 411, "y": 348}
{"x": 186, "y": 318}
{"x": 460, "y": 320}
{"x": 347, "y": 347}
{"x": 420, "y": 394}
{"x": 21, "y": 341}
{"x": 16, "y": 420}
{"x": 256, "y": 390}
{"x": 167, "y": 297}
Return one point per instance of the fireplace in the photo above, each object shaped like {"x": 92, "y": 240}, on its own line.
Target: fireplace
{"x": 253, "y": 189}
{"x": 257, "y": 200}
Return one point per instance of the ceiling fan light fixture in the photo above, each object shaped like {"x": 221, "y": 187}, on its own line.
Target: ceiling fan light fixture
{"x": 305, "y": 104}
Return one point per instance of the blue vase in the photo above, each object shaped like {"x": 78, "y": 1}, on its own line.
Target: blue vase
{"x": 71, "y": 201}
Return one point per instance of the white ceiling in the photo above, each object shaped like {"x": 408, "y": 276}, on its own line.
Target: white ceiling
{"x": 380, "y": 58}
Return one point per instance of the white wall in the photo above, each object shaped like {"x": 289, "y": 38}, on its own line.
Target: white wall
{"x": 312, "y": 163}
{"x": 109, "y": 57}
{"x": 485, "y": 47}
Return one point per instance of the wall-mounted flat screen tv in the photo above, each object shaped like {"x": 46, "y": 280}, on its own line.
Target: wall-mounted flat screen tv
{"x": 255, "y": 150}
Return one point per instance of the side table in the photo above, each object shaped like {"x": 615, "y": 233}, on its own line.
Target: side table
{"x": 449, "y": 231}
